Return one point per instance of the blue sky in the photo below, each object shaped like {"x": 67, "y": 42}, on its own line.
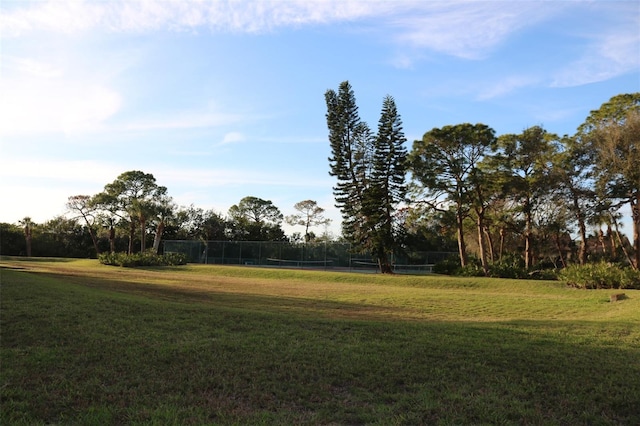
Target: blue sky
{"x": 225, "y": 99}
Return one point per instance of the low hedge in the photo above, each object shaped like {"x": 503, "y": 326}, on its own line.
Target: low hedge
{"x": 142, "y": 259}
{"x": 601, "y": 275}
{"x": 510, "y": 266}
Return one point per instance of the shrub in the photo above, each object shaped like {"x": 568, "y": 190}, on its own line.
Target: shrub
{"x": 511, "y": 265}
{"x": 449, "y": 266}
{"x": 600, "y": 275}
{"x": 472, "y": 269}
{"x": 142, "y": 259}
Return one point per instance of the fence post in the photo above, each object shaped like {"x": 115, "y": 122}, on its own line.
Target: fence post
{"x": 325, "y": 255}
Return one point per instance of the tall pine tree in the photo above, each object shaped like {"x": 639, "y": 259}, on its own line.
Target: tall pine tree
{"x": 370, "y": 171}
{"x": 387, "y": 188}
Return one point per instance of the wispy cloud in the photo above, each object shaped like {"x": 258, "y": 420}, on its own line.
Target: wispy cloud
{"x": 181, "y": 15}
{"x": 505, "y": 86}
{"x": 186, "y": 119}
{"x": 42, "y": 100}
{"x": 614, "y": 53}
{"x": 461, "y": 28}
{"x": 47, "y": 95}
{"x": 57, "y": 170}
{"x": 467, "y": 29}
{"x": 31, "y": 67}
{"x": 294, "y": 139}
{"x": 232, "y": 137}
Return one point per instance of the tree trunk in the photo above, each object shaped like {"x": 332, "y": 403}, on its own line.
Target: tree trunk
{"x": 624, "y": 248}
{"x": 132, "y": 233}
{"x": 582, "y": 229}
{"x": 603, "y": 246}
{"x": 28, "y": 233}
{"x": 28, "y": 243}
{"x": 612, "y": 243}
{"x": 462, "y": 249}
{"x": 158, "y": 237}
{"x": 481, "y": 243}
{"x": 527, "y": 241}
{"x": 383, "y": 261}
{"x": 112, "y": 239}
{"x": 143, "y": 235}
{"x": 556, "y": 239}
{"x": 385, "y": 267}
{"x": 489, "y": 240}
{"x": 635, "y": 216}
{"x": 623, "y": 245}
{"x": 92, "y": 234}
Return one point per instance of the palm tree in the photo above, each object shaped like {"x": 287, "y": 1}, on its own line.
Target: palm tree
{"x": 28, "y": 227}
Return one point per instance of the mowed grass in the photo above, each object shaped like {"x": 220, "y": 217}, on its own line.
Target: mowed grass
{"x": 83, "y": 343}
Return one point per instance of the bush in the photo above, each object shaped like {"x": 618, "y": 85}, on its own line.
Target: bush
{"x": 449, "y": 266}
{"x": 472, "y": 269}
{"x": 601, "y": 275}
{"x": 142, "y": 259}
{"x": 511, "y": 265}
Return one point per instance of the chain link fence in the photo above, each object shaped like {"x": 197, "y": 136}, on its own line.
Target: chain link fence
{"x": 323, "y": 255}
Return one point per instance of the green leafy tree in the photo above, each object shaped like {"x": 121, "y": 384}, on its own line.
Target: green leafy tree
{"x": 370, "y": 173}
{"x": 445, "y": 164}
{"x": 574, "y": 169}
{"x": 65, "y": 237}
{"x": 11, "y": 239}
{"x": 427, "y": 229}
{"x": 526, "y": 161}
{"x": 164, "y": 210}
{"x": 133, "y": 197}
{"x": 613, "y": 134}
{"x": 255, "y": 219}
{"x": 309, "y": 214}
{"x": 192, "y": 222}
{"x": 80, "y": 206}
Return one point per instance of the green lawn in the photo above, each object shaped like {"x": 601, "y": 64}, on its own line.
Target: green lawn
{"x": 83, "y": 343}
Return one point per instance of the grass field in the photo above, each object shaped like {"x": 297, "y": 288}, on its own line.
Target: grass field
{"x": 84, "y": 343}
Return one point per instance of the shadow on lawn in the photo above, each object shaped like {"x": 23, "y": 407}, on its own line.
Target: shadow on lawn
{"x": 93, "y": 357}
{"x": 36, "y": 259}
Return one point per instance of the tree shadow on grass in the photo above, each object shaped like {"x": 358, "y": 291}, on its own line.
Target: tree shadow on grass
{"x": 178, "y": 356}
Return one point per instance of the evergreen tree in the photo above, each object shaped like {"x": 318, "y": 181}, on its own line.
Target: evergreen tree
{"x": 351, "y": 147}
{"x": 387, "y": 187}
{"x": 370, "y": 171}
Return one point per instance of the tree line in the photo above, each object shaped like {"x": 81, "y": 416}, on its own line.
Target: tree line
{"x": 534, "y": 198}
{"x": 529, "y": 196}
{"x": 134, "y": 214}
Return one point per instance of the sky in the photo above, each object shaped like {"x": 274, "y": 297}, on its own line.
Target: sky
{"x": 224, "y": 99}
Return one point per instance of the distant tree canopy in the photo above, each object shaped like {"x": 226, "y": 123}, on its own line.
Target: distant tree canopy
{"x": 136, "y": 198}
{"x": 531, "y": 199}
{"x": 613, "y": 134}
{"x": 255, "y": 219}
{"x": 446, "y": 164}
{"x": 309, "y": 214}
{"x": 528, "y": 193}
